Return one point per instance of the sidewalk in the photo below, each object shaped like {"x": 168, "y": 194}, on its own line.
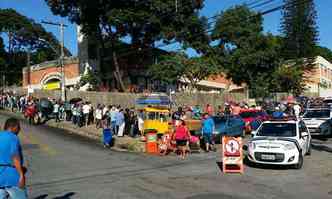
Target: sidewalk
{"x": 120, "y": 144}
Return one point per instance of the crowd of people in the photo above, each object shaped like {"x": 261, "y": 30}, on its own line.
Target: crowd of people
{"x": 122, "y": 121}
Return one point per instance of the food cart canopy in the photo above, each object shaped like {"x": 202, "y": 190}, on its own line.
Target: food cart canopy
{"x": 154, "y": 100}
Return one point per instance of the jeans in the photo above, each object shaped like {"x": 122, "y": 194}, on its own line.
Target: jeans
{"x": 13, "y": 193}
{"x": 113, "y": 128}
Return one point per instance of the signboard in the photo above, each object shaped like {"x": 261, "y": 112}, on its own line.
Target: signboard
{"x": 52, "y": 86}
{"x": 232, "y": 154}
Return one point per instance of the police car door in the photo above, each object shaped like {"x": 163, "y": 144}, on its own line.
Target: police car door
{"x": 303, "y": 140}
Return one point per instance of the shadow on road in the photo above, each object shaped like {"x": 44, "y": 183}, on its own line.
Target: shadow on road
{"x": 321, "y": 147}
{"x": 128, "y": 173}
{"x": 65, "y": 196}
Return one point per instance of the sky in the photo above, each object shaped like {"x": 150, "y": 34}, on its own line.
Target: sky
{"x": 38, "y": 11}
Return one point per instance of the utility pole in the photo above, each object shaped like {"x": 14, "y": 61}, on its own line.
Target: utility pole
{"x": 176, "y": 6}
{"x": 61, "y": 58}
{"x": 29, "y": 66}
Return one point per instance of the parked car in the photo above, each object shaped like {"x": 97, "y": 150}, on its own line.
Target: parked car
{"x": 252, "y": 117}
{"x": 318, "y": 120}
{"x": 328, "y": 100}
{"x": 280, "y": 142}
{"x": 233, "y": 127}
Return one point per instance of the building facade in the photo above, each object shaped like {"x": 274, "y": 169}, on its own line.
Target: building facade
{"x": 319, "y": 80}
{"x": 48, "y": 75}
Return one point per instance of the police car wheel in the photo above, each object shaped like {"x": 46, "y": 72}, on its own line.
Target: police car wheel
{"x": 300, "y": 163}
{"x": 309, "y": 150}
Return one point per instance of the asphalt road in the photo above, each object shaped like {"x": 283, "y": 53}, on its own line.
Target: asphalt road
{"x": 63, "y": 166}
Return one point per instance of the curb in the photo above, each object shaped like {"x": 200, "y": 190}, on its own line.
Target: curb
{"x": 118, "y": 146}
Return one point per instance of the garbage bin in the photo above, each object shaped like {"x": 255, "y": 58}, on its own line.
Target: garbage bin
{"x": 151, "y": 142}
{"x": 107, "y": 137}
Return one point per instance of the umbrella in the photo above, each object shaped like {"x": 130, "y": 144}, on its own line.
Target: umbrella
{"x": 75, "y": 100}
{"x": 153, "y": 100}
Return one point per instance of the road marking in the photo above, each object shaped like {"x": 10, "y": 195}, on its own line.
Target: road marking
{"x": 33, "y": 140}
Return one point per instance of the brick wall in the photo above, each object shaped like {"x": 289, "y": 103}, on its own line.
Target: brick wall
{"x": 72, "y": 70}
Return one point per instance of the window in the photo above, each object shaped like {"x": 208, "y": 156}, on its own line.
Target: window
{"x": 277, "y": 130}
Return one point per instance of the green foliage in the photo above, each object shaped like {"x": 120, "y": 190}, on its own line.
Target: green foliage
{"x": 299, "y": 29}
{"x": 24, "y": 36}
{"x": 144, "y": 22}
{"x": 89, "y": 78}
{"x": 324, "y": 52}
{"x": 172, "y": 68}
{"x": 246, "y": 54}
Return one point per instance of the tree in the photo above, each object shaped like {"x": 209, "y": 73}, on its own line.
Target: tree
{"x": 144, "y": 22}
{"x": 173, "y": 68}
{"x": 25, "y": 38}
{"x": 246, "y": 54}
{"x": 324, "y": 52}
{"x": 299, "y": 29}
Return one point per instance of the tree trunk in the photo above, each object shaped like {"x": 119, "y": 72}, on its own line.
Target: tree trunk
{"x": 117, "y": 72}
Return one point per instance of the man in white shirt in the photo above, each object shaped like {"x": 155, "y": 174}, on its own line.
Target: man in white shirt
{"x": 105, "y": 110}
{"x": 98, "y": 116}
{"x": 56, "y": 108}
{"x": 86, "y": 110}
{"x": 297, "y": 110}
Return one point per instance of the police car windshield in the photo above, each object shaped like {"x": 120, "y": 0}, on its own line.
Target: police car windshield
{"x": 277, "y": 130}
{"x": 317, "y": 114}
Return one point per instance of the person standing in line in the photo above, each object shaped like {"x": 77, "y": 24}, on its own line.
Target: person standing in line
{"x": 140, "y": 120}
{"x": 120, "y": 123}
{"x": 209, "y": 109}
{"x": 12, "y": 171}
{"x": 227, "y": 111}
{"x": 90, "y": 117}
{"x": 207, "y": 131}
{"x": 86, "y": 110}
{"x": 74, "y": 113}
{"x": 297, "y": 110}
{"x": 236, "y": 109}
{"x": 68, "y": 111}
{"x": 56, "y": 108}
{"x": 177, "y": 115}
{"x": 80, "y": 115}
{"x": 113, "y": 113}
{"x": 99, "y": 116}
{"x": 105, "y": 110}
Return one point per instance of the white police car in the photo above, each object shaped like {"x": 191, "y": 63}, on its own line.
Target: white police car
{"x": 280, "y": 142}
{"x": 318, "y": 121}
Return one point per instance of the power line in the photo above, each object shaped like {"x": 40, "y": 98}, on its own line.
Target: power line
{"x": 263, "y": 3}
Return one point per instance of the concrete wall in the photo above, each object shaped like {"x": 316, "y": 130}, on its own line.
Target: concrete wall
{"x": 128, "y": 99}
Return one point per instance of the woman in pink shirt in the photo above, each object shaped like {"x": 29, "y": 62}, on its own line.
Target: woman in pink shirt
{"x": 182, "y": 136}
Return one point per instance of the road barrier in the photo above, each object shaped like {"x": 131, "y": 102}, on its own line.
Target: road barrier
{"x": 232, "y": 154}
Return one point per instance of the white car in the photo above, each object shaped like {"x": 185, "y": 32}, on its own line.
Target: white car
{"x": 318, "y": 121}
{"x": 280, "y": 142}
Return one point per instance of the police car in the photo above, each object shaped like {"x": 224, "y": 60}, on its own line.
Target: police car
{"x": 280, "y": 142}
{"x": 318, "y": 120}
